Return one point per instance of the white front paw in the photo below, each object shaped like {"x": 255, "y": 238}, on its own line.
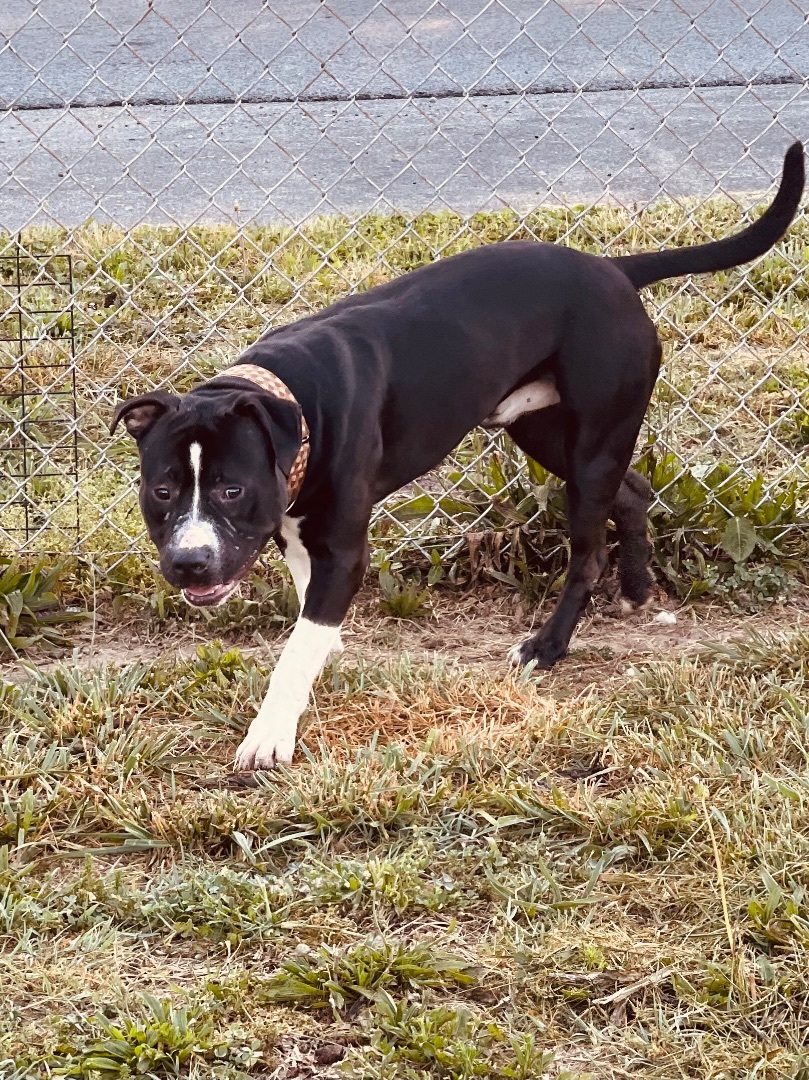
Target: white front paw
{"x": 265, "y": 746}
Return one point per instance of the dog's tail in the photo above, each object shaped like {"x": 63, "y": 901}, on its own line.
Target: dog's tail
{"x": 650, "y": 266}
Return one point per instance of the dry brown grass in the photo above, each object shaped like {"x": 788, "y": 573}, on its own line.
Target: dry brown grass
{"x": 611, "y": 875}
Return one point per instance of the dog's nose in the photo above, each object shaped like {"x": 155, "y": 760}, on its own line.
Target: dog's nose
{"x": 193, "y": 561}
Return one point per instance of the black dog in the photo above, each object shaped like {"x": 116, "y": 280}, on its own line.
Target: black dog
{"x": 548, "y": 342}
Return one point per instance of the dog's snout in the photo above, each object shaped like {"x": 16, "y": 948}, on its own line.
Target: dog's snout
{"x": 192, "y": 561}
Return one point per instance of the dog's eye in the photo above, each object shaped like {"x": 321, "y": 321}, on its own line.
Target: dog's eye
{"x": 232, "y": 492}
{"x": 162, "y": 493}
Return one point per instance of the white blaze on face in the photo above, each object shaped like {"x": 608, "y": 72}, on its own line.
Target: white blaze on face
{"x": 193, "y": 530}
{"x": 195, "y": 453}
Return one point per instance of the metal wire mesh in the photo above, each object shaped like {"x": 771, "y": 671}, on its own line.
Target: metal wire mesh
{"x": 181, "y": 156}
{"x": 38, "y": 399}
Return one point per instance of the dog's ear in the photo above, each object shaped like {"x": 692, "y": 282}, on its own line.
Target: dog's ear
{"x": 140, "y": 413}
{"x": 281, "y": 421}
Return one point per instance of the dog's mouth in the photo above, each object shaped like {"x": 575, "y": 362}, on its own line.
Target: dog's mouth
{"x": 210, "y": 595}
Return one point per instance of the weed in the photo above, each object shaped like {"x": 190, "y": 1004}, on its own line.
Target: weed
{"x": 412, "y": 1041}
{"x": 336, "y": 978}
{"x": 29, "y": 610}
{"x": 779, "y": 920}
{"x": 164, "y": 1040}
{"x": 219, "y": 666}
{"x": 402, "y": 599}
{"x": 226, "y": 905}
{"x": 765, "y": 654}
{"x": 402, "y": 882}
{"x": 748, "y": 588}
{"x": 714, "y": 522}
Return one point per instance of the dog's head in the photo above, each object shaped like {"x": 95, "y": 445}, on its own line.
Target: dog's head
{"x": 213, "y": 480}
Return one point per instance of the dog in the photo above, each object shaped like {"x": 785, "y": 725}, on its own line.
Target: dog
{"x": 321, "y": 419}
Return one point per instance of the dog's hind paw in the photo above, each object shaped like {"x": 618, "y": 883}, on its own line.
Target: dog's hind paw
{"x": 631, "y": 607}
{"x": 543, "y": 653}
{"x": 515, "y": 656}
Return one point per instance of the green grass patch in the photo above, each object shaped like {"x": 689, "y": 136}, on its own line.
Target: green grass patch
{"x": 30, "y": 613}
{"x": 493, "y": 874}
{"x": 339, "y": 979}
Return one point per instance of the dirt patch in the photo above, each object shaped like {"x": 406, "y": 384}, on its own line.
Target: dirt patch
{"x": 470, "y": 629}
{"x": 473, "y": 631}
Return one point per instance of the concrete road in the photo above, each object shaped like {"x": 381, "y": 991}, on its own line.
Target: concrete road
{"x": 181, "y": 109}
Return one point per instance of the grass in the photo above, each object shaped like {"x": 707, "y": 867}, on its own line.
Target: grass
{"x": 162, "y": 305}
{"x": 29, "y": 608}
{"x": 461, "y": 876}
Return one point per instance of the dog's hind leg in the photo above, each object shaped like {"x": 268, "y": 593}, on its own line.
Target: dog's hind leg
{"x": 542, "y": 437}
{"x": 597, "y": 460}
{"x": 630, "y": 512}
{"x": 597, "y": 463}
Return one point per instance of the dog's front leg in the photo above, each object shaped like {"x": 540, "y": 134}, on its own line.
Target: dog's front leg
{"x": 336, "y": 574}
{"x": 270, "y": 739}
{"x": 299, "y": 563}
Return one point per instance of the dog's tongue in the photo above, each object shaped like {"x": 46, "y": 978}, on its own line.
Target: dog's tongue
{"x": 210, "y": 592}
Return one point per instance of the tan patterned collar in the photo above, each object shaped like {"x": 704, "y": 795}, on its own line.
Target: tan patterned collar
{"x": 273, "y": 385}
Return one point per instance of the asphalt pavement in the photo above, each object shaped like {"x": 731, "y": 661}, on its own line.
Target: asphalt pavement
{"x": 177, "y": 110}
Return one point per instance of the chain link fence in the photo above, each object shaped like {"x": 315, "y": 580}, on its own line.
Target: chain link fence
{"x": 178, "y": 176}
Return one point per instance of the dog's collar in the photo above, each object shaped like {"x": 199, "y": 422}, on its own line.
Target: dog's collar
{"x": 273, "y": 385}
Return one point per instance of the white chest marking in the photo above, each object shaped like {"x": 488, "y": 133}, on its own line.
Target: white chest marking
{"x": 300, "y": 565}
{"x": 529, "y": 398}
{"x": 296, "y": 556}
{"x": 193, "y": 530}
